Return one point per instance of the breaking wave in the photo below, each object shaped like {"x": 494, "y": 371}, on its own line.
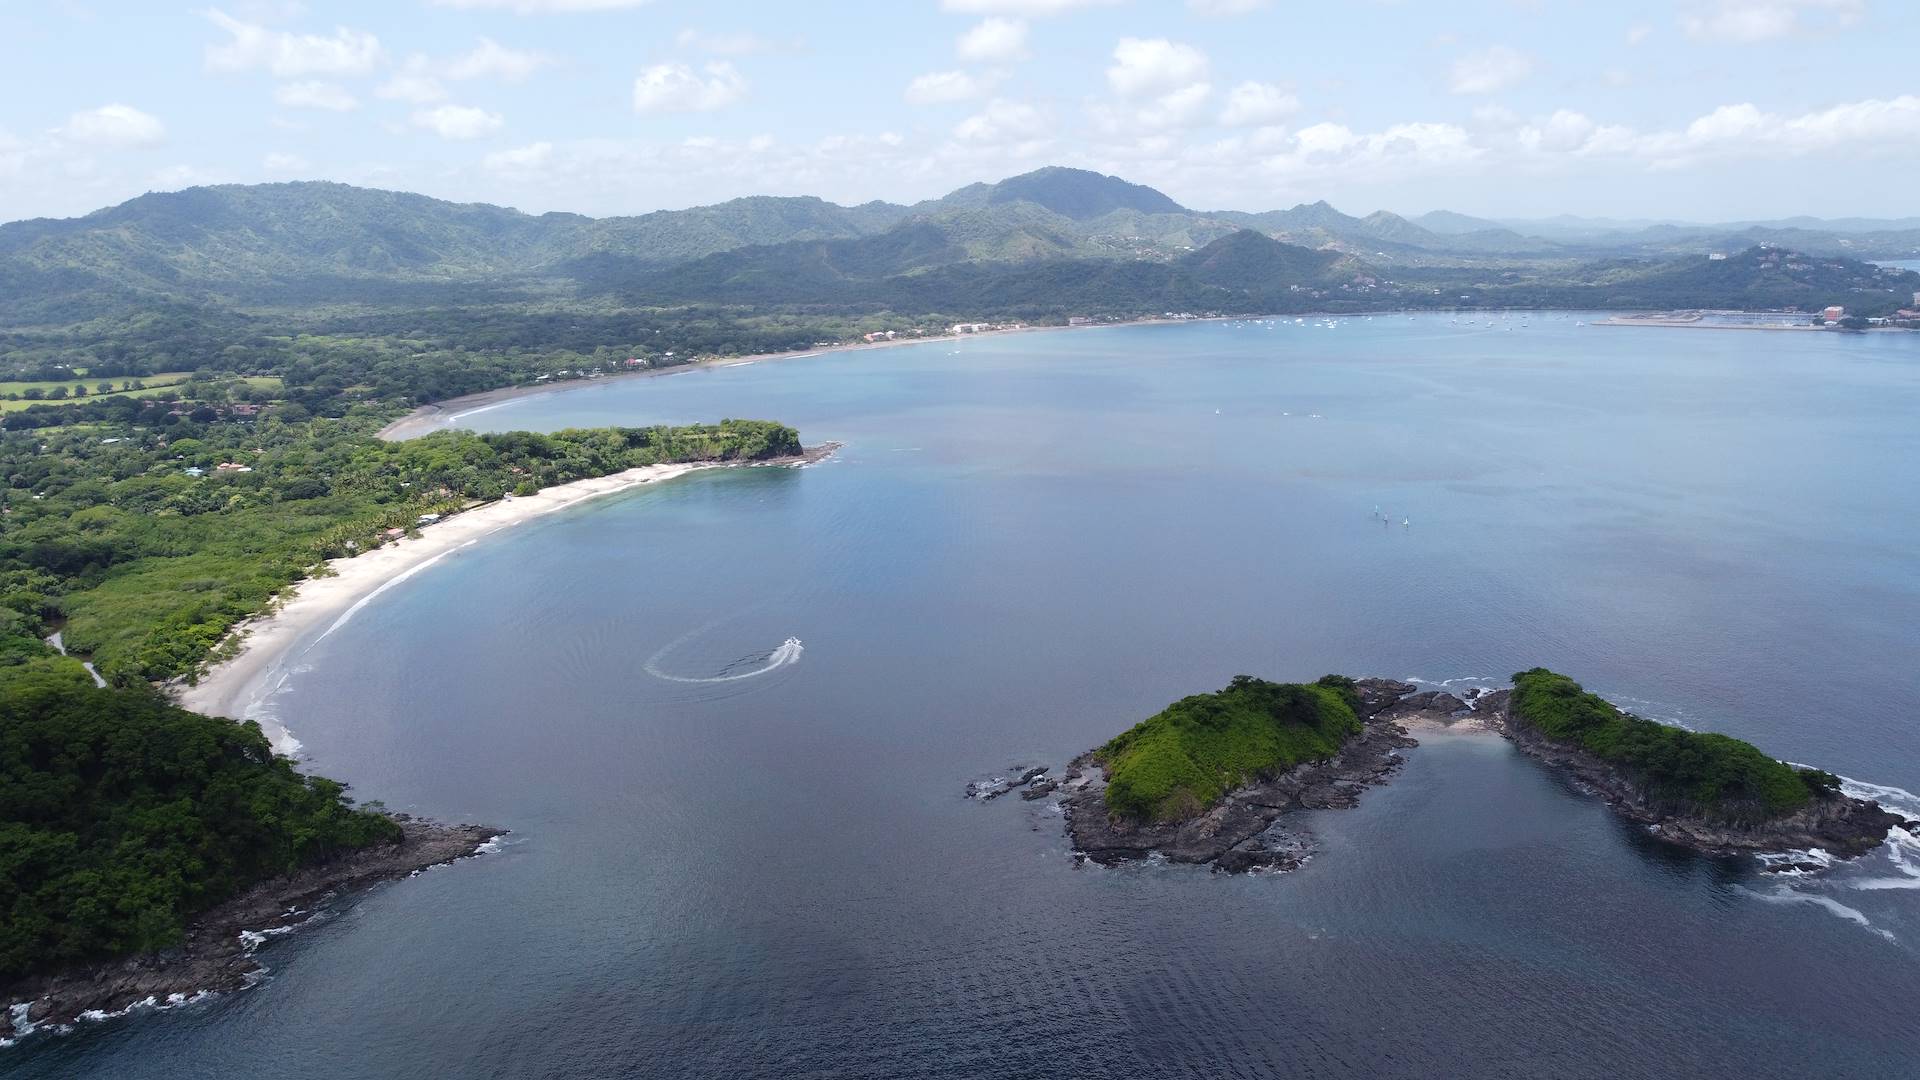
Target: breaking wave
{"x": 1893, "y": 867}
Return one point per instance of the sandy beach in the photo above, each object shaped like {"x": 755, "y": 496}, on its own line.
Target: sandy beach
{"x": 445, "y": 414}
{"x": 239, "y": 687}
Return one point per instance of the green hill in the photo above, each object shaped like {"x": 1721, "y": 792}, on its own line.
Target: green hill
{"x": 1181, "y": 760}
{"x": 122, "y": 816}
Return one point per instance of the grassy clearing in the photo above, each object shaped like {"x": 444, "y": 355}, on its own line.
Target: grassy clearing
{"x": 154, "y": 384}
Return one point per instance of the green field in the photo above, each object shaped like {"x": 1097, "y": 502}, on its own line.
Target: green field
{"x": 10, "y": 401}
{"x": 155, "y": 384}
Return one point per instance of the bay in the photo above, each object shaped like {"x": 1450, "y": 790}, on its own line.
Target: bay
{"x": 1029, "y": 542}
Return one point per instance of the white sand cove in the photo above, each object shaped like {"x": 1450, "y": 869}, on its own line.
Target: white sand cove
{"x": 236, "y": 687}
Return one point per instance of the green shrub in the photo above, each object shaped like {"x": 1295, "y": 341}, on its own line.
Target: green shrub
{"x": 1183, "y": 759}
{"x": 1701, "y": 774}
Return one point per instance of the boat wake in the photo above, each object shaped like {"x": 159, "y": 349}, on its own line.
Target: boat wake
{"x": 756, "y": 664}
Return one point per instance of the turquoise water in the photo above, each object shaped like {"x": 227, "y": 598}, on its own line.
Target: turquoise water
{"x": 1031, "y": 541}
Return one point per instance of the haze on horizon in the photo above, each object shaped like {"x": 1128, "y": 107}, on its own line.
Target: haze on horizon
{"x": 1709, "y": 110}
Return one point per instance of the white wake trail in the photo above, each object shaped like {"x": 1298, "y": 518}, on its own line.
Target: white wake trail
{"x": 788, "y": 653}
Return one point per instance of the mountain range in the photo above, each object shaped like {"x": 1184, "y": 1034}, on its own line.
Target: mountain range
{"x": 1059, "y": 234}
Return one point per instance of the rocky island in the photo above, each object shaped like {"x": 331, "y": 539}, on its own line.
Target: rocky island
{"x": 1213, "y": 778}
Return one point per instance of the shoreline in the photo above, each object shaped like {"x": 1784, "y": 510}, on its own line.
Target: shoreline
{"x": 1699, "y": 324}
{"x": 216, "y": 955}
{"x": 440, "y": 415}
{"x": 1254, "y": 826}
{"x": 236, "y": 686}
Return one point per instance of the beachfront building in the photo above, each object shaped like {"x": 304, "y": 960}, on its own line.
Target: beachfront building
{"x": 1834, "y": 314}
{"x": 971, "y": 327}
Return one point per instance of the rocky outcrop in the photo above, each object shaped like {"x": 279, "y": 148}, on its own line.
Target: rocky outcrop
{"x": 1839, "y": 824}
{"x": 1018, "y": 776}
{"x": 217, "y": 955}
{"x": 1256, "y": 826}
{"x": 1250, "y": 828}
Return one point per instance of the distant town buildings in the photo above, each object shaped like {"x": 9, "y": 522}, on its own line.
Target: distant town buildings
{"x": 1834, "y": 314}
{"x": 1718, "y": 256}
{"x": 971, "y": 327}
{"x": 881, "y": 335}
{"x": 1079, "y": 320}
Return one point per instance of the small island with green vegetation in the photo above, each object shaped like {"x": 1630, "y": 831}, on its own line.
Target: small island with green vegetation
{"x": 1702, "y": 790}
{"x": 1214, "y": 778}
{"x": 1208, "y": 778}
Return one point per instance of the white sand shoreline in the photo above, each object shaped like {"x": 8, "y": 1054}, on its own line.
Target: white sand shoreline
{"x": 240, "y": 686}
{"x": 444, "y": 415}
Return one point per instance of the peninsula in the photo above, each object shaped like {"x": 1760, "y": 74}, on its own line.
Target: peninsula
{"x": 1213, "y": 778}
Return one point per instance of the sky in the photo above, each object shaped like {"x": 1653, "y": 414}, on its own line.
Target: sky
{"x": 1708, "y": 110}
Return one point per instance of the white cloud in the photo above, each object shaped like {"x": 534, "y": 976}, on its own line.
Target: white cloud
{"x": 1730, "y": 132}
{"x": 944, "y": 87}
{"x": 1328, "y": 151}
{"x": 678, "y": 88}
{"x": 1143, "y": 66}
{"x": 492, "y": 60}
{"x": 313, "y": 94}
{"x": 114, "y": 125}
{"x": 1160, "y": 84}
{"x": 994, "y": 41}
{"x": 521, "y": 158}
{"x": 458, "y": 121}
{"x": 1750, "y": 21}
{"x": 413, "y": 87}
{"x": 543, "y": 7}
{"x": 254, "y": 47}
{"x": 1564, "y": 131}
{"x": 1002, "y": 121}
{"x": 285, "y": 163}
{"x": 739, "y": 44}
{"x": 1029, "y": 8}
{"x": 1489, "y": 71}
{"x": 1639, "y": 33}
{"x": 1227, "y": 7}
{"x": 1256, "y": 104}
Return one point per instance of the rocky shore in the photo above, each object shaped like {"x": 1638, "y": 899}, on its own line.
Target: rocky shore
{"x": 1249, "y": 829}
{"x": 217, "y": 955}
{"x": 1838, "y": 824}
{"x": 1254, "y": 827}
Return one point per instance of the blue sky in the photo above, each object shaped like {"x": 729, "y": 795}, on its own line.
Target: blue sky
{"x": 1697, "y": 109}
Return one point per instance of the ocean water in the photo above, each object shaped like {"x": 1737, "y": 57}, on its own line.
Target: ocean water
{"x": 737, "y": 857}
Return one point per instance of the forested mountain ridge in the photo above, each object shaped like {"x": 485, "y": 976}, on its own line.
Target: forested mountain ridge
{"x": 320, "y": 243}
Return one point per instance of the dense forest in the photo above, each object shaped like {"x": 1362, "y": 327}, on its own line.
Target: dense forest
{"x": 121, "y": 817}
{"x": 146, "y": 545}
{"x": 1183, "y": 759}
{"x": 1699, "y": 774}
{"x": 143, "y": 529}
